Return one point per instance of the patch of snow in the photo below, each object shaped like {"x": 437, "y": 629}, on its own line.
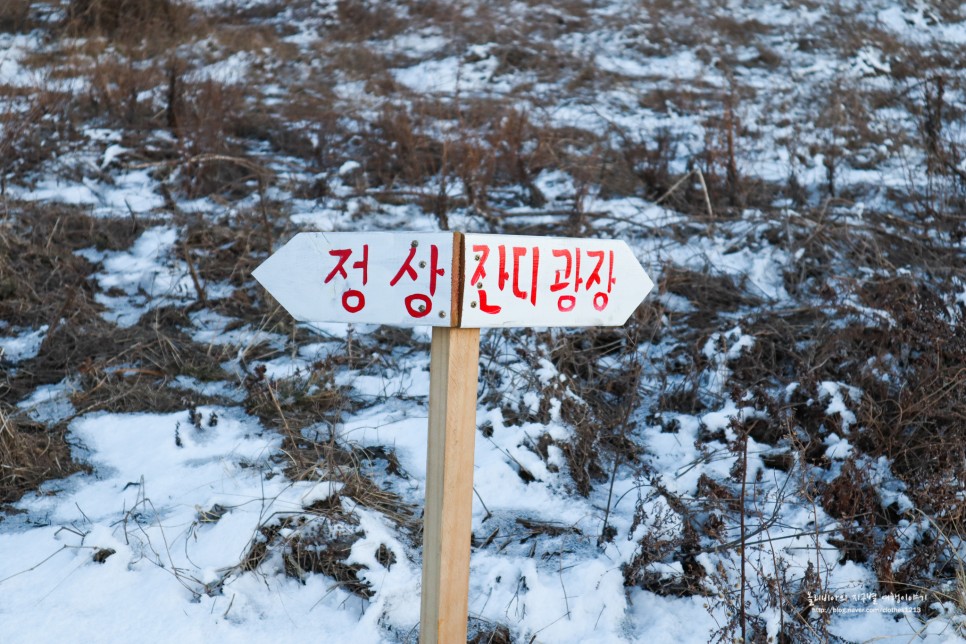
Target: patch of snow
{"x": 50, "y": 403}
{"x": 22, "y": 347}
{"x": 348, "y": 168}
{"x": 668, "y": 620}
{"x": 720, "y": 349}
{"x": 13, "y": 48}
{"x": 838, "y": 448}
{"x": 132, "y": 191}
{"x": 211, "y": 328}
{"x": 219, "y": 389}
{"x": 835, "y": 393}
{"x": 172, "y": 571}
{"x": 112, "y": 152}
{"x": 473, "y": 73}
{"x": 232, "y": 70}
{"x": 145, "y": 277}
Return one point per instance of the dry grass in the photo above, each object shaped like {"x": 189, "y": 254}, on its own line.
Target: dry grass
{"x": 319, "y": 540}
{"x": 118, "y": 83}
{"x": 15, "y": 16}
{"x": 208, "y": 118}
{"x": 128, "y": 20}
{"x": 43, "y": 282}
{"x": 30, "y": 453}
{"x": 33, "y": 126}
{"x": 40, "y": 276}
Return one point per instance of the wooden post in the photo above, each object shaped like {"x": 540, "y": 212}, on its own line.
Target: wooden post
{"x": 447, "y": 523}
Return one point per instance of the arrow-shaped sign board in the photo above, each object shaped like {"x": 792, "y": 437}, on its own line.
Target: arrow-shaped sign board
{"x": 400, "y": 279}
{"x": 512, "y": 281}
{"x": 455, "y": 280}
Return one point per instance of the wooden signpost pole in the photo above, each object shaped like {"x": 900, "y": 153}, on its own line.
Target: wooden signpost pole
{"x": 447, "y": 523}
{"x": 492, "y": 281}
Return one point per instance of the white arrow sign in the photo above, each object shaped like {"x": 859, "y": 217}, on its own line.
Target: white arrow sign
{"x": 402, "y": 279}
{"x": 408, "y": 279}
{"x": 514, "y": 281}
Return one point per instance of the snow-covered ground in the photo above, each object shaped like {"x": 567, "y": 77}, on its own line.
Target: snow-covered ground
{"x": 251, "y": 479}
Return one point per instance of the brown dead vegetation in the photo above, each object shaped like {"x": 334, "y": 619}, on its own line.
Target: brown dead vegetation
{"x": 319, "y": 539}
{"x": 15, "y": 16}
{"x": 30, "y": 454}
{"x": 128, "y": 20}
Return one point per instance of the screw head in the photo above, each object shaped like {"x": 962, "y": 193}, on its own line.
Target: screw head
{"x": 472, "y": 305}
{"x": 414, "y": 244}
{"x": 477, "y": 257}
{"x": 422, "y": 264}
{"x": 421, "y": 308}
{"x": 479, "y": 285}
{"x": 442, "y": 314}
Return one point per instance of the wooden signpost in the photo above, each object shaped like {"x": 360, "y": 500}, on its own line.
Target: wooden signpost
{"x": 457, "y": 284}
